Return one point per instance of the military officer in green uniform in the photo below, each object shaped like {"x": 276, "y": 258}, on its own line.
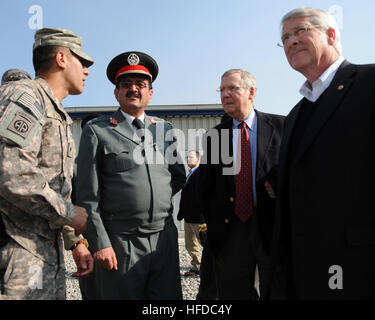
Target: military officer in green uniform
{"x": 128, "y": 170}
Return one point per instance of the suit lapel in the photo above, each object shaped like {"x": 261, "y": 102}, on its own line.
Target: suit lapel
{"x": 227, "y": 125}
{"x": 287, "y": 134}
{"x": 232, "y": 180}
{"x": 264, "y": 136}
{"x": 329, "y": 103}
{"x": 150, "y": 126}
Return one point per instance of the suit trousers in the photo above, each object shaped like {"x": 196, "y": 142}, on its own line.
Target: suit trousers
{"x": 148, "y": 267}
{"x": 235, "y": 264}
{"x": 207, "y": 284}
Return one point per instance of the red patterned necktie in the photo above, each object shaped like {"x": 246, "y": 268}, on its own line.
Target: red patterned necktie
{"x": 244, "y": 186}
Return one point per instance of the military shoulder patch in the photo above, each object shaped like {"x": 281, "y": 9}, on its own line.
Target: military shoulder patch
{"x": 20, "y": 121}
{"x": 21, "y": 124}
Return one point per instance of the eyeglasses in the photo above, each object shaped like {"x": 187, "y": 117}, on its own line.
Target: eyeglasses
{"x": 299, "y": 32}
{"x": 232, "y": 89}
{"x": 128, "y": 84}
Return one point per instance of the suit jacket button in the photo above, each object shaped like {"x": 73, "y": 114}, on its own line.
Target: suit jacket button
{"x": 226, "y": 220}
{"x": 231, "y": 199}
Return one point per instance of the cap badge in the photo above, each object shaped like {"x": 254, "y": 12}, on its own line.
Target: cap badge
{"x": 133, "y": 59}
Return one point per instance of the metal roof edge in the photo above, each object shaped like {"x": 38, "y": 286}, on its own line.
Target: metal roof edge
{"x": 164, "y": 108}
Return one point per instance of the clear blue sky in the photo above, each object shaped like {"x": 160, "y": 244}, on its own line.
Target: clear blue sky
{"x": 193, "y": 41}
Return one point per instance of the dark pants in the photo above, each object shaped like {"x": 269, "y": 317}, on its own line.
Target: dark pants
{"x": 148, "y": 268}
{"x": 207, "y": 286}
{"x": 235, "y": 264}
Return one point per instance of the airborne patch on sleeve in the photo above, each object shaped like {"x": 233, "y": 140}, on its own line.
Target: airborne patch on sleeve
{"x": 21, "y": 124}
{"x": 20, "y": 121}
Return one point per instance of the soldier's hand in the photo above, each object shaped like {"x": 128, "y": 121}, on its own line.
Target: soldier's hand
{"x": 79, "y": 221}
{"x": 84, "y": 261}
{"x": 106, "y": 258}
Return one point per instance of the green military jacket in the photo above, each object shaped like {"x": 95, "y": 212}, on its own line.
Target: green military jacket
{"x": 127, "y": 185}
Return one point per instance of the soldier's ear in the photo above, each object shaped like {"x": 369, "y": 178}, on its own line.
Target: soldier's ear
{"x": 61, "y": 59}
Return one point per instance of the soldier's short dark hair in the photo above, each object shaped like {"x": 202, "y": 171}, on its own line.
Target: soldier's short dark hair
{"x": 43, "y": 57}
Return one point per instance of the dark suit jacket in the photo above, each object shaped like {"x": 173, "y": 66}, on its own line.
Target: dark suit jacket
{"x": 325, "y": 207}
{"x": 216, "y": 191}
{"x": 190, "y": 209}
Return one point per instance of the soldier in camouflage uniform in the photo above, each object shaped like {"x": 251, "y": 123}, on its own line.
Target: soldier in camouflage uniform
{"x": 36, "y": 166}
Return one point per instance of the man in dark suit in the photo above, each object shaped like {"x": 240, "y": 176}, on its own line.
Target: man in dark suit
{"x": 236, "y": 206}
{"x": 191, "y": 211}
{"x": 192, "y": 244}
{"x": 325, "y": 221}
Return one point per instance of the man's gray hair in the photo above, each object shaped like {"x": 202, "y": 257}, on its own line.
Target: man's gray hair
{"x": 317, "y": 17}
{"x": 14, "y": 75}
{"x": 248, "y": 80}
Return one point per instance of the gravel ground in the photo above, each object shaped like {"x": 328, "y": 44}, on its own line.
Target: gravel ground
{"x": 189, "y": 284}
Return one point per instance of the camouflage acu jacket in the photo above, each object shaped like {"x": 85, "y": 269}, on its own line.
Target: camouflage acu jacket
{"x": 36, "y": 166}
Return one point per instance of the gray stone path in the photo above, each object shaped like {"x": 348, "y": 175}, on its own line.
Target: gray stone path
{"x": 189, "y": 284}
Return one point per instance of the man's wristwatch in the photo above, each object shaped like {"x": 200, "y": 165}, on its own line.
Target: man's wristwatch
{"x": 83, "y": 241}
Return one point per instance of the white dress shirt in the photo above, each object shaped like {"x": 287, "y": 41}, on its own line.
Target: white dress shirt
{"x": 313, "y": 91}
{"x": 130, "y": 119}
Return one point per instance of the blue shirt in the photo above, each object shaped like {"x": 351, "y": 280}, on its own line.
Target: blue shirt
{"x": 190, "y": 173}
{"x": 252, "y": 125}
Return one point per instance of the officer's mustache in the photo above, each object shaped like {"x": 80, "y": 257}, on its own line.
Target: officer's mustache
{"x": 134, "y": 94}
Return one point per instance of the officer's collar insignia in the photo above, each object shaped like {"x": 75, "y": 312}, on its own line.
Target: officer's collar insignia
{"x": 153, "y": 121}
{"x": 113, "y": 121}
{"x": 133, "y": 59}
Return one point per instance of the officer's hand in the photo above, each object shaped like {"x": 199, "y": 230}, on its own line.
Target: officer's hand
{"x": 79, "y": 221}
{"x": 106, "y": 258}
{"x": 83, "y": 260}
